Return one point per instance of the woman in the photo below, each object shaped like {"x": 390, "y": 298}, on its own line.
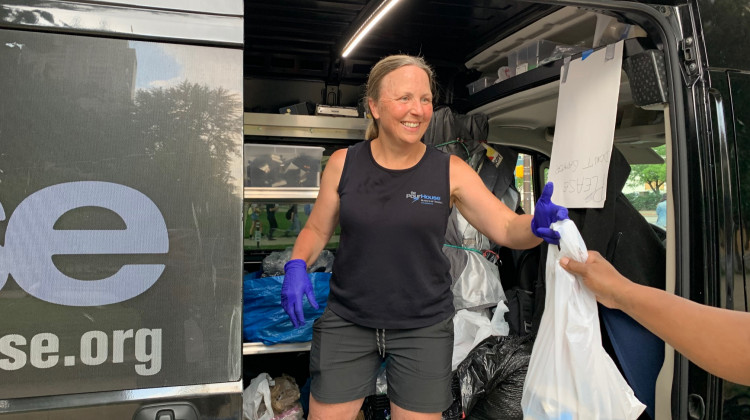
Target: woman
{"x": 390, "y": 290}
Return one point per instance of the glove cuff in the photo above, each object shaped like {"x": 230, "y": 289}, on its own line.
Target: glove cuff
{"x": 534, "y": 227}
{"x": 296, "y": 263}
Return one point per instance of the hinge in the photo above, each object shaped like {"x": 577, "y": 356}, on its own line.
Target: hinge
{"x": 689, "y": 55}
{"x": 681, "y": 20}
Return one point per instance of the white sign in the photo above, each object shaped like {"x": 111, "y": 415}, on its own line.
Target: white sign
{"x": 585, "y": 127}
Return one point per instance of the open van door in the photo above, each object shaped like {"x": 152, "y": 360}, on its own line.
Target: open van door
{"x": 120, "y": 209}
{"x": 722, "y": 109}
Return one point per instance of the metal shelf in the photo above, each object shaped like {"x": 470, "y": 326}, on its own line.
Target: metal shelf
{"x": 282, "y": 195}
{"x": 304, "y": 126}
{"x": 260, "y": 348}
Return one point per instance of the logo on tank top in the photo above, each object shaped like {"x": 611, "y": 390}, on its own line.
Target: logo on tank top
{"x": 425, "y": 199}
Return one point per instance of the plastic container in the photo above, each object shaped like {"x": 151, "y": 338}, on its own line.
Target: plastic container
{"x": 528, "y": 56}
{"x": 480, "y": 84}
{"x": 282, "y": 166}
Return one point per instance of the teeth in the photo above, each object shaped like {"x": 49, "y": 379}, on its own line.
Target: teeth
{"x": 411, "y": 124}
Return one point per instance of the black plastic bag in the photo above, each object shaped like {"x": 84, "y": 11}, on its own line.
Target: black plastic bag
{"x": 492, "y": 377}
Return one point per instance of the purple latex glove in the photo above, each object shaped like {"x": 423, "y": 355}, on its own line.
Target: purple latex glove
{"x": 546, "y": 213}
{"x": 296, "y": 284}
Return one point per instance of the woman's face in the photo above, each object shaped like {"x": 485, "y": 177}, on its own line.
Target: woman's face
{"x": 405, "y": 105}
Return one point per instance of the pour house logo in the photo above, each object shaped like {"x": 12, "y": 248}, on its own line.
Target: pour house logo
{"x": 31, "y": 241}
{"x": 424, "y": 198}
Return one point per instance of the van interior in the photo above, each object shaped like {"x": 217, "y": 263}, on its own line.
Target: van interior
{"x": 498, "y": 62}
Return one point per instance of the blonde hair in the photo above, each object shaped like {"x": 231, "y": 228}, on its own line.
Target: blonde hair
{"x": 381, "y": 69}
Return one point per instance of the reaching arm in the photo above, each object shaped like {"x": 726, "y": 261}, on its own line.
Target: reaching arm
{"x": 325, "y": 213}
{"x": 310, "y": 242}
{"x": 486, "y": 212}
{"x": 717, "y": 340}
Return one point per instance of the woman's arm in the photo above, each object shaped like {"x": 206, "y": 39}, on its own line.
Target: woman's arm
{"x": 717, "y": 340}
{"x": 325, "y": 213}
{"x": 486, "y": 212}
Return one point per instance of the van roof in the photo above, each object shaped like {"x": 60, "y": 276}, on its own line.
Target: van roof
{"x": 303, "y": 39}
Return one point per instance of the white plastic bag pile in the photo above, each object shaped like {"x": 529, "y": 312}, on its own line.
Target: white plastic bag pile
{"x": 570, "y": 376}
{"x": 256, "y": 399}
{"x": 471, "y": 328}
{"x": 266, "y": 396}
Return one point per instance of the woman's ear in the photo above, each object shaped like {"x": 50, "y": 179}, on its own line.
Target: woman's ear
{"x": 373, "y": 108}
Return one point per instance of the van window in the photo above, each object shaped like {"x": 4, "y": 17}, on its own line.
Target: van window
{"x": 524, "y": 183}
{"x": 646, "y": 186}
{"x": 646, "y": 189}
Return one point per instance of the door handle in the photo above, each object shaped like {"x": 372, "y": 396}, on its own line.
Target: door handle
{"x": 167, "y": 411}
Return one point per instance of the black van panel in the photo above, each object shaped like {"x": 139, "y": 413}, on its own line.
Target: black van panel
{"x": 103, "y": 18}
{"x": 121, "y": 195}
{"x": 725, "y": 24}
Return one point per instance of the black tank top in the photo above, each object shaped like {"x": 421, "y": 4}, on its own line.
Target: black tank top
{"x": 390, "y": 270}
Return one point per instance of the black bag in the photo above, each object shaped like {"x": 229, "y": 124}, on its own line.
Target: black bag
{"x": 290, "y": 212}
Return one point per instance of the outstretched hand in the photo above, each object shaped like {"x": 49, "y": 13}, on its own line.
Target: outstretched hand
{"x": 599, "y": 276}
{"x": 296, "y": 284}
{"x": 545, "y": 213}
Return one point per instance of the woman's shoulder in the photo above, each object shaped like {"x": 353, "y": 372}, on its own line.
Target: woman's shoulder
{"x": 337, "y": 157}
{"x": 458, "y": 164}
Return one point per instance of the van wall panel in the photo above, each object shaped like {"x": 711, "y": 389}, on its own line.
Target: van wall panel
{"x": 119, "y": 20}
{"x": 102, "y": 143}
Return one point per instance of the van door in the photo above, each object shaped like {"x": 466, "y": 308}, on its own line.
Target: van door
{"x": 731, "y": 96}
{"x": 727, "y": 71}
{"x": 120, "y": 209}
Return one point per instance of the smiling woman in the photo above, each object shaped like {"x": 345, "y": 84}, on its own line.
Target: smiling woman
{"x": 392, "y": 195}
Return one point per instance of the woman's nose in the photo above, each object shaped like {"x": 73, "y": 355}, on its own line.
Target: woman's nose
{"x": 417, "y": 107}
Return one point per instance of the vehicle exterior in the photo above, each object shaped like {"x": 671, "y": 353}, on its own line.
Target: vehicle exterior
{"x": 121, "y": 186}
{"x": 121, "y": 175}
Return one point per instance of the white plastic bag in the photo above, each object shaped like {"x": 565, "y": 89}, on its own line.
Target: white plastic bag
{"x": 256, "y": 404}
{"x": 477, "y": 284}
{"x": 570, "y": 376}
{"x": 470, "y": 328}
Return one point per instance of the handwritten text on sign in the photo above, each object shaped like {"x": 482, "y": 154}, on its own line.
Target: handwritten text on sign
{"x": 576, "y": 180}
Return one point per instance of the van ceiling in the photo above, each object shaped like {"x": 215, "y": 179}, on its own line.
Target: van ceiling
{"x": 303, "y": 39}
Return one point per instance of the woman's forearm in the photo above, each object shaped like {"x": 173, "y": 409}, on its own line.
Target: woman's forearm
{"x": 519, "y": 233}
{"x": 717, "y": 340}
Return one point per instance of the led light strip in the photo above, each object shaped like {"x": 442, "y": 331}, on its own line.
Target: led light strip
{"x": 364, "y": 30}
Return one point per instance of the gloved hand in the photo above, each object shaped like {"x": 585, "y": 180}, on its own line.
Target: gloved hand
{"x": 546, "y": 213}
{"x": 296, "y": 283}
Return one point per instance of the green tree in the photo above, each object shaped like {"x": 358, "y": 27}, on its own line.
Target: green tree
{"x": 653, "y": 175}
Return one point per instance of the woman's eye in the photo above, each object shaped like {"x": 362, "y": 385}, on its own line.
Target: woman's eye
{"x": 404, "y": 99}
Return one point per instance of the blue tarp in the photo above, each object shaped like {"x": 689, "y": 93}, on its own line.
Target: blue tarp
{"x": 263, "y": 318}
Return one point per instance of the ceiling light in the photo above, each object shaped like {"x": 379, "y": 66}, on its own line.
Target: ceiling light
{"x": 373, "y": 20}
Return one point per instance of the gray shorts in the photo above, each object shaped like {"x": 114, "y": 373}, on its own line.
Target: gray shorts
{"x": 345, "y": 359}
